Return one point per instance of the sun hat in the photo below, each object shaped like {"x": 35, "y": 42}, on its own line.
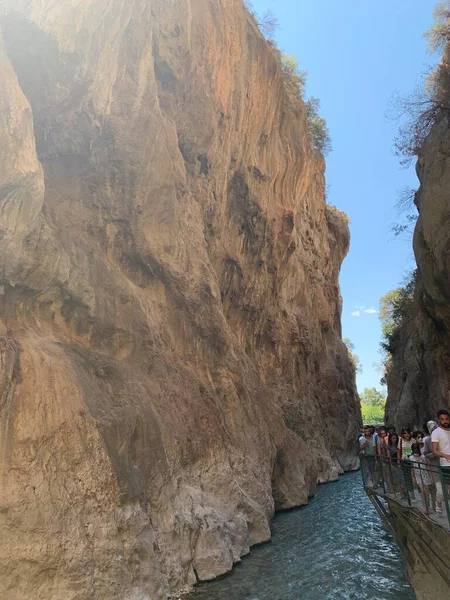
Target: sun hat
{"x": 431, "y": 425}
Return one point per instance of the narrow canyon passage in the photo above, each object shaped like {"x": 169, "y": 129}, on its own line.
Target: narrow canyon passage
{"x": 201, "y": 300}
{"x": 335, "y": 548}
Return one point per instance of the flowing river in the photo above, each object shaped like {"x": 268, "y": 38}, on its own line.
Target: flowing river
{"x": 336, "y": 548}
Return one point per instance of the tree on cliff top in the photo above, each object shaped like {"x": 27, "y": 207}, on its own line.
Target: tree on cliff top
{"x": 295, "y": 82}
{"x": 268, "y": 25}
{"x": 439, "y": 33}
{"x": 394, "y": 307}
{"x": 354, "y": 358}
{"x": 396, "y": 311}
{"x": 419, "y": 111}
{"x": 289, "y": 64}
{"x": 407, "y": 211}
{"x": 317, "y": 126}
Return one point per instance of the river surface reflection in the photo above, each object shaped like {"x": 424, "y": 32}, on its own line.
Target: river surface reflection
{"x": 336, "y": 548}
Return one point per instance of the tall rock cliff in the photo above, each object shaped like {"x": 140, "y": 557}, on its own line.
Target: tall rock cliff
{"x": 418, "y": 375}
{"x": 171, "y": 366}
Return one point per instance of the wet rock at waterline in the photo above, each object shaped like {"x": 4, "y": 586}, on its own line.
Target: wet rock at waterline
{"x": 322, "y": 551}
{"x": 171, "y": 358}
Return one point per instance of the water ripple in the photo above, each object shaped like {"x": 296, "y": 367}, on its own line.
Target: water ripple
{"x": 334, "y": 549}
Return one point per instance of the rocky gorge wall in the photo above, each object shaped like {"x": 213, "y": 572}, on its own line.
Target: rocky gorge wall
{"x": 171, "y": 362}
{"x": 418, "y": 375}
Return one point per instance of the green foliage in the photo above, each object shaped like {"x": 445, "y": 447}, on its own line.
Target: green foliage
{"x": 354, "y": 358}
{"x": 372, "y": 397}
{"x": 289, "y": 64}
{"x": 394, "y": 307}
{"x": 356, "y": 362}
{"x": 396, "y": 310}
{"x": 372, "y": 414}
{"x": 439, "y": 33}
{"x": 389, "y": 313}
{"x": 318, "y": 127}
{"x": 372, "y": 405}
{"x": 296, "y": 81}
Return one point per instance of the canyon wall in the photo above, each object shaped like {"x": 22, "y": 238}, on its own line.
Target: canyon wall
{"x": 171, "y": 362}
{"x": 418, "y": 374}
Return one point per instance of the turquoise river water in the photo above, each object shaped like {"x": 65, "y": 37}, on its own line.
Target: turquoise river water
{"x": 336, "y": 548}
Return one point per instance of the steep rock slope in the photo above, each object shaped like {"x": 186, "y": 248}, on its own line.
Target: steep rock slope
{"x": 171, "y": 359}
{"x": 418, "y": 376}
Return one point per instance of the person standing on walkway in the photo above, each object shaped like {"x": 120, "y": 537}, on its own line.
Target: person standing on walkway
{"x": 440, "y": 442}
{"x": 395, "y": 477}
{"x": 367, "y": 449}
{"x": 358, "y": 441}
{"x": 404, "y": 452}
{"x": 382, "y": 442}
{"x": 427, "y": 449}
{"x": 423, "y": 479}
{"x": 404, "y": 447}
{"x": 392, "y": 446}
{"x": 417, "y": 438}
{"x": 433, "y": 461}
{"x": 382, "y": 471}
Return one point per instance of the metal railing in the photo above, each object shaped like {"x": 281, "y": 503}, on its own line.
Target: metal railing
{"x": 420, "y": 485}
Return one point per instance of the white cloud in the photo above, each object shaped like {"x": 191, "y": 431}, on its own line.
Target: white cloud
{"x": 360, "y": 309}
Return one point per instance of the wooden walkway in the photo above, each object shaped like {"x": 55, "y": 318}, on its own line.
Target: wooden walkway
{"x": 423, "y": 539}
{"x": 414, "y": 504}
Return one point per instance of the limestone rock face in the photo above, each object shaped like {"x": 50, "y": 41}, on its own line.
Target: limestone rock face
{"x": 419, "y": 376}
{"x": 171, "y": 366}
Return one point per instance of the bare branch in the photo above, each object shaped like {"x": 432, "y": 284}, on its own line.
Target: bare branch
{"x": 268, "y": 24}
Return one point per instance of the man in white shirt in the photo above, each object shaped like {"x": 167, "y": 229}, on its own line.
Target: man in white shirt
{"x": 440, "y": 439}
{"x": 440, "y": 443}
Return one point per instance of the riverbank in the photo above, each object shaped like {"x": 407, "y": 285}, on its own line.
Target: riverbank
{"x": 339, "y": 472}
{"x": 335, "y": 547}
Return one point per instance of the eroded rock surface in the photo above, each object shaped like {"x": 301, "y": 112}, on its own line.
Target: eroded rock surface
{"x": 171, "y": 358}
{"x": 419, "y": 376}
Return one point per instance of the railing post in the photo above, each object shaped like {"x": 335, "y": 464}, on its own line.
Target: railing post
{"x": 445, "y": 480}
{"x": 381, "y": 463}
{"x": 364, "y": 470}
{"x": 405, "y": 473}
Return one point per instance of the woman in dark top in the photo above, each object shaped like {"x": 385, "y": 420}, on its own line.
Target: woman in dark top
{"x": 395, "y": 476}
{"x": 393, "y": 445}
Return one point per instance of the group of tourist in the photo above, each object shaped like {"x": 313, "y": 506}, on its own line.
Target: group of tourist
{"x": 409, "y": 460}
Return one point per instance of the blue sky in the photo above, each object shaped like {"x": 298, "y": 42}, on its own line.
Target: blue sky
{"x": 358, "y": 53}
